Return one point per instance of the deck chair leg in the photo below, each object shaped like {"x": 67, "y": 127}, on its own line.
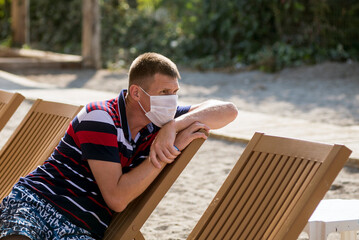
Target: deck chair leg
{"x": 317, "y": 231}
{"x": 139, "y": 236}
{"x": 348, "y": 235}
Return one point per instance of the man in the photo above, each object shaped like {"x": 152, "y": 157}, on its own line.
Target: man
{"x": 109, "y": 155}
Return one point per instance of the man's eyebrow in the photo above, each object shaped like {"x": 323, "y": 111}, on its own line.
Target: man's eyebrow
{"x": 168, "y": 90}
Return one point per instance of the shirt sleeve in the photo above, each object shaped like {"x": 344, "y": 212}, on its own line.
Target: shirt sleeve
{"x": 97, "y": 137}
{"x": 182, "y": 110}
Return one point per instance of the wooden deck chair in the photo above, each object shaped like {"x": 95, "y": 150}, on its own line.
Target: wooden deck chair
{"x": 33, "y": 141}
{"x": 127, "y": 224}
{"x": 9, "y": 102}
{"x": 272, "y": 190}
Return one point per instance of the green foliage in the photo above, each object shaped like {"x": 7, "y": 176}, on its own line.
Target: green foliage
{"x": 56, "y": 25}
{"x": 5, "y": 28}
{"x": 128, "y": 32}
{"x": 273, "y": 34}
{"x": 207, "y": 34}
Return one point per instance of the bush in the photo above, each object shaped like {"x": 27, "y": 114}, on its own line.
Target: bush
{"x": 128, "y": 32}
{"x": 275, "y": 34}
{"x": 56, "y": 25}
{"x": 207, "y": 34}
{"x": 5, "y": 26}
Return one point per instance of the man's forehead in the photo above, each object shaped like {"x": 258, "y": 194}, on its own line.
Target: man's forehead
{"x": 164, "y": 82}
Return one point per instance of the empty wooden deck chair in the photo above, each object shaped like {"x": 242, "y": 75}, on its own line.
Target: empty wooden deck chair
{"x": 33, "y": 141}
{"x": 272, "y": 190}
{"x": 127, "y": 224}
{"x": 9, "y": 102}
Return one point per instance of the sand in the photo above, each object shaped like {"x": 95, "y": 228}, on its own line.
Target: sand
{"x": 327, "y": 92}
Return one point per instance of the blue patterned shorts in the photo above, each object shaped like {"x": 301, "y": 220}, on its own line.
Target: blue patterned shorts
{"x": 25, "y": 213}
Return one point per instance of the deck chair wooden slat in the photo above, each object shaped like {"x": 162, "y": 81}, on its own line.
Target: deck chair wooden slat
{"x": 315, "y": 192}
{"x": 304, "y": 179}
{"x": 33, "y": 140}
{"x": 127, "y": 224}
{"x": 272, "y": 190}
{"x": 251, "y": 207}
{"x": 9, "y": 102}
{"x": 222, "y": 225}
{"x": 33, "y": 146}
{"x": 261, "y": 213}
{"x": 286, "y": 167}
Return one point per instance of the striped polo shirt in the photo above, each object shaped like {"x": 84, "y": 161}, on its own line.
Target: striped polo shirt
{"x": 100, "y": 131}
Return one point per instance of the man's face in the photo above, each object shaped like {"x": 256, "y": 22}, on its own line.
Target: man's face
{"x": 161, "y": 85}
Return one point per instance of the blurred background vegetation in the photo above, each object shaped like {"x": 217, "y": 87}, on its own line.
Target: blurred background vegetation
{"x": 202, "y": 34}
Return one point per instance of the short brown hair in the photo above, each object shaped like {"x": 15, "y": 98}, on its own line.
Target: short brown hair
{"x": 147, "y": 65}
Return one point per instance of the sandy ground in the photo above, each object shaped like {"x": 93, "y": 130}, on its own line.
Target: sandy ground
{"x": 328, "y": 93}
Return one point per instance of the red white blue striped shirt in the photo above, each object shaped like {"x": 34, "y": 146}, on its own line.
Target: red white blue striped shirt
{"x": 101, "y": 132}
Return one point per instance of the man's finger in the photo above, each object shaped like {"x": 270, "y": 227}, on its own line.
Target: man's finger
{"x": 173, "y": 152}
{"x": 163, "y": 158}
{"x": 197, "y": 126}
{"x": 199, "y": 135}
{"x": 154, "y": 160}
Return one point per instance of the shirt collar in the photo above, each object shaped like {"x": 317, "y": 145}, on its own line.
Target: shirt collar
{"x": 123, "y": 117}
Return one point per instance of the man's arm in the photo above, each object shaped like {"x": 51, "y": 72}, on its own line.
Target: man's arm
{"x": 213, "y": 114}
{"x": 119, "y": 189}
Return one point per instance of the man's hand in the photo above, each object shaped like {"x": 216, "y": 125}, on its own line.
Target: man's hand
{"x": 162, "y": 148}
{"x": 186, "y": 136}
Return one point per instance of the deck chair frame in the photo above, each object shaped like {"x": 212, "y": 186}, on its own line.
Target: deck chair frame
{"x": 33, "y": 140}
{"x": 272, "y": 190}
{"x": 127, "y": 224}
{"x": 9, "y": 102}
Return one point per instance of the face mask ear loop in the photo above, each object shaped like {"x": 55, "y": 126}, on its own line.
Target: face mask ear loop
{"x": 142, "y": 107}
{"x": 139, "y": 101}
{"x": 145, "y": 92}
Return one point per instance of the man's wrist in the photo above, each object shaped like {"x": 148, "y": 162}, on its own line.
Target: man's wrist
{"x": 172, "y": 124}
{"x": 178, "y": 122}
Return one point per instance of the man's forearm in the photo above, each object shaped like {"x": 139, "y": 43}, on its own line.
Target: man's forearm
{"x": 215, "y": 114}
{"x": 135, "y": 182}
{"x": 119, "y": 189}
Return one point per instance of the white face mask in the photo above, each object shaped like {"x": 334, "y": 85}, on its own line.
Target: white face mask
{"x": 163, "y": 108}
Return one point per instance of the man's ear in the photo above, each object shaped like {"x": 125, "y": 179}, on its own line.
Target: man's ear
{"x": 134, "y": 92}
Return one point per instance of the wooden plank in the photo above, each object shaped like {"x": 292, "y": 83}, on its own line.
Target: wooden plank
{"x": 290, "y": 196}
{"x": 294, "y": 147}
{"x": 264, "y": 192}
{"x": 285, "y": 177}
{"x": 9, "y": 102}
{"x": 242, "y": 203}
{"x": 15, "y": 58}
{"x": 239, "y": 185}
